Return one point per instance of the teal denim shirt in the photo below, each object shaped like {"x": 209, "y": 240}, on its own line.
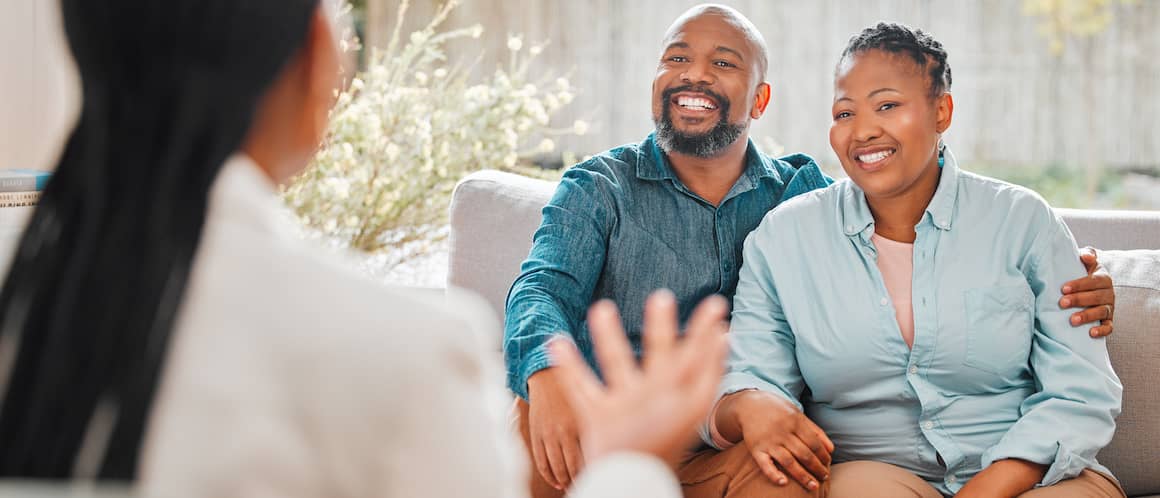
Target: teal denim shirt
{"x": 996, "y": 371}
{"x": 621, "y": 225}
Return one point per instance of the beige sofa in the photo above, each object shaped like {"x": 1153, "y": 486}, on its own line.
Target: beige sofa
{"x": 494, "y": 214}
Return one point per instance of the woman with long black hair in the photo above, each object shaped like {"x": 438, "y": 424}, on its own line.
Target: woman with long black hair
{"x": 156, "y": 324}
{"x": 90, "y": 302}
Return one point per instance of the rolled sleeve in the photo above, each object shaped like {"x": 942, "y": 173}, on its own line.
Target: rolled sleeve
{"x": 761, "y": 342}
{"x": 556, "y": 281}
{"x": 1072, "y": 414}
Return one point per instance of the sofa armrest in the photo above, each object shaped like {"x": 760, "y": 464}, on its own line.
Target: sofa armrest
{"x": 493, "y": 217}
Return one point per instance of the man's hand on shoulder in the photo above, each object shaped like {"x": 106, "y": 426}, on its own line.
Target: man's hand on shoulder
{"x": 1094, "y": 293}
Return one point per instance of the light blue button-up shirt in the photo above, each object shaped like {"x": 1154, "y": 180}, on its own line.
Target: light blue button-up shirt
{"x": 996, "y": 370}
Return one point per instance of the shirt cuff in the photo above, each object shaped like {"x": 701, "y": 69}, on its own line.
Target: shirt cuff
{"x": 737, "y": 381}
{"x": 714, "y": 437}
{"x": 1065, "y": 465}
{"x": 535, "y": 360}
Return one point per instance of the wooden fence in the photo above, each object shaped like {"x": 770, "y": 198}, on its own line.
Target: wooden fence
{"x": 1097, "y": 104}
{"x": 1016, "y": 102}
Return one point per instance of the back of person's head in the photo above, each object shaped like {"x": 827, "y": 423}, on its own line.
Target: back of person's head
{"x": 170, "y": 89}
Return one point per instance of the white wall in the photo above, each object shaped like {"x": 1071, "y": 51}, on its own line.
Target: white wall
{"x": 39, "y": 90}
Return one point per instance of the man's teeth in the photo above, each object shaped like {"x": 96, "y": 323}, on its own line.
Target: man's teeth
{"x": 875, "y": 157}
{"x": 695, "y": 103}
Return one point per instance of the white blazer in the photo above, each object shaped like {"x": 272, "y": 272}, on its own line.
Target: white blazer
{"x": 291, "y": 376}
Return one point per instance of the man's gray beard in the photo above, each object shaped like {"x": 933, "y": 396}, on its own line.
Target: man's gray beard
{"x": 703, "y": 145}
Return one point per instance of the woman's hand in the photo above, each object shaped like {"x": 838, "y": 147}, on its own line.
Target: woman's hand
{"x": 781, "y": 439}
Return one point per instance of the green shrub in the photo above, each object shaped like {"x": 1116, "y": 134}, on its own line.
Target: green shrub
{"x": 410, "y": 126}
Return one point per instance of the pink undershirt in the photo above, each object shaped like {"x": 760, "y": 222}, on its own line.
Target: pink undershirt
{"x": 896, "y": 263}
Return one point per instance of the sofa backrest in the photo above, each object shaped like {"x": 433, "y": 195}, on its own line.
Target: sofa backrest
{"x": 1134, "y": 347}
{"x": 493, "y": 217}
{"x": 494, "y": 214}
{"x": 1108, "y": 229}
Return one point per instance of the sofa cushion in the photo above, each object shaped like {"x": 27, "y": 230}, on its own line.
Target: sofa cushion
{"x": 1134, "y": 454}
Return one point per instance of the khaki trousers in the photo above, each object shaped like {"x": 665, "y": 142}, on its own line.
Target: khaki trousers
{"x": 733, "y": 474}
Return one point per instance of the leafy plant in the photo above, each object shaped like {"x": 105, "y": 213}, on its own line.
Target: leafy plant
{"x": 1060, "y": 19}
{"x": 412, "y": 124}
{"x": 1062, "y": 185}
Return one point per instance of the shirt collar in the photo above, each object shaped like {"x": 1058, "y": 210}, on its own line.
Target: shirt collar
{"x": 242, "y": 192}
{"x": 941, "y": 210}
{"x": 857, "y": 219}
{"x": 652, "y": 164}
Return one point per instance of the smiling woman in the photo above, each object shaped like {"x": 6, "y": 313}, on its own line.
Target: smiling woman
{"x": 883, "y": 99}
{"x": 960, "y": 373}
{"x": 886, "y": 132}
{"x": 90, "y": 304}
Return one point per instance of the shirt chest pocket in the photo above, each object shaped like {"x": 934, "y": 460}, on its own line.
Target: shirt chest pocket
{"x": 1000, "y": 326}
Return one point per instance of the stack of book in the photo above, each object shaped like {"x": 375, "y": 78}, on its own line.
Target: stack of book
{"x": 19, "y": 192}
{"x": 21, "y": 187}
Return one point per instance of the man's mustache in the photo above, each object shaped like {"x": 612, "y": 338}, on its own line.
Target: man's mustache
{"x": 667, "y": 95}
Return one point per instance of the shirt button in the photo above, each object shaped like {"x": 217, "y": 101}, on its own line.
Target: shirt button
{"x": 951, "y": 480}
{"x": 914, "y": 370}
{"x": 928, "y": 425}
{"x": 849, "y": 228}
{"x": 884, "y": 302}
